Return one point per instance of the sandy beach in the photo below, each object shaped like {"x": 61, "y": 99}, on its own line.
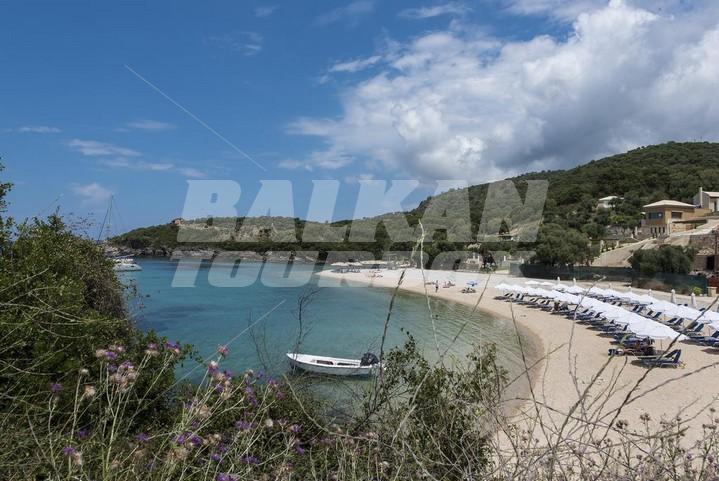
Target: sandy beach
{"x": 564, "y": 359}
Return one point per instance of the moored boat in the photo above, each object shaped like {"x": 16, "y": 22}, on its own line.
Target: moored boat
{"x": 124, "y": 264}
{"x": 335, "y": 366}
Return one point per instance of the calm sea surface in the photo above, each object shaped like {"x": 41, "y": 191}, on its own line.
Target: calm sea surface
{"x": 340, "y": 321}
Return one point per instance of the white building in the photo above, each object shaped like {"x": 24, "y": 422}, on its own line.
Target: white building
{"x": 606, "y": 202}
{"x": 707, "y": 200}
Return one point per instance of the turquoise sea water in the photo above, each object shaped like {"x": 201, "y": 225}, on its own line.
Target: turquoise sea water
{"x": 340, "y": 321}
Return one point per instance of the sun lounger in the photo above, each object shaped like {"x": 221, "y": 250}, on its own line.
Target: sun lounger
{"x": 674, "y": 322}
{"x": 693, "y": 329}
{"x": 712, "y": 340}
{"x": 670, "y": 359}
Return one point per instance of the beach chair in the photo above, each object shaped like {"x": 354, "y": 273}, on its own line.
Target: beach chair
{"x": 673, "y": 322}
{"x": 670, "y": 359}
{"x": 617, "y": 332}
{"x": 696, "y": 332}
{"x": 693, "y": 329}
{"x": 712, "y": 340}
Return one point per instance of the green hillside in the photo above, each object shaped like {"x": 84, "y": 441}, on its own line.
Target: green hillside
{"x": 644, "y": 175}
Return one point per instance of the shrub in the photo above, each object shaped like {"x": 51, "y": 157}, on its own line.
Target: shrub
{"x": 667, "y": 259}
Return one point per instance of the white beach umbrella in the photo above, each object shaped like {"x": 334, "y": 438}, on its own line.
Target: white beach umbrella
{"x": 574, "y": 281}
{"x": 656, "y": 330}
{"x": 674, "y": 296}
{"x": 558, "y": 279}
{"x": 693, "y": 300}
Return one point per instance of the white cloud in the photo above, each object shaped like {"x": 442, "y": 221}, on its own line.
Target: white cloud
{"x": 149, "y": 125}
{"x": 350, "y": 13}
{"x": 123, "y": 163}
{"x": 96, "y": 149}
{"x": 355, "y": 65}
{"x": 451, "y": 8}
{"x": 350, "y": 66}
{"x": 192, "y": 173}
{"x": 92, "y": 193}
{"x": 453, "y": 104}
{"x": 245, "y": 43}
{"x": 569, "y": 10}
{"x": 141, "y": 165}
{"x": 332, "y": 158}
{"x": 36, "y": 129}
{"x": 265, "y": 11}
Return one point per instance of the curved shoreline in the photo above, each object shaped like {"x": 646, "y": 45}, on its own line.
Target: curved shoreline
{"x": 531, "y": 344}
{"x": 569, "y": 365}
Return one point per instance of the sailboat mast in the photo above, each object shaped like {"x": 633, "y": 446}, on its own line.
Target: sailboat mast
{"x": 109, "y": 217}
{"x": 106, "y": 220}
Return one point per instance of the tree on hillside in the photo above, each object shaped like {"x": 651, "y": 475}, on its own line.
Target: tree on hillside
{"x": 5, "y": 222}
{"x": 666, "y": 259}
{"x": 561, "y": 246}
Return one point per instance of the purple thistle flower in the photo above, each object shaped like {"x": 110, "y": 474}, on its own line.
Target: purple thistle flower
{"x": 142, "y": 438}
{"x": 216, "y": 457}
{"x": 174, "y": 347}
{"x": 82, "y": 433}
{"x": 181, "y": 438}
{"x": 68, "y": 451}
{"x": 295, "y": 428}
{"x": 110, "y": 355}
{"x": 55, "y": 387}
{"x": 243, "y": 425}
{"x": 299, "y": 450}
{"x": 250, "y": 460}
{"x": 196, "y": 441}
{"x": 225, "y": 477}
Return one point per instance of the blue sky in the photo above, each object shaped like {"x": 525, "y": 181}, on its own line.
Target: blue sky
{"x": 343, "y": 90}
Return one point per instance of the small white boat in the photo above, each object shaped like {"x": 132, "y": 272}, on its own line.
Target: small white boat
{"x": 124, "y": 264}
{"x": 366, "y": 366}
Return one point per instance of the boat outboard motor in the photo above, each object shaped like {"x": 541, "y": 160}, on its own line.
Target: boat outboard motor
{"x": 368, "y": 359}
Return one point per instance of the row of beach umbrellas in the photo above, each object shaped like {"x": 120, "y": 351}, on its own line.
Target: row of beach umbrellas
{"x": 636, "y": 323}
{"x": 667, "y": 308}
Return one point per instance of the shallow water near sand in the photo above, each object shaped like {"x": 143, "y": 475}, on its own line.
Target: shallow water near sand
{"x": 339, "y": 322}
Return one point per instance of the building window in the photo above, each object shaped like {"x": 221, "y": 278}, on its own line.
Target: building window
{"x": 655, "y": 215}
{"x": 676, "y": 215}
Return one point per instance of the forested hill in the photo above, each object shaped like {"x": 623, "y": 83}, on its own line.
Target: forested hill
{"x": 641, "y": 176}
{"x": 644, "y": 175}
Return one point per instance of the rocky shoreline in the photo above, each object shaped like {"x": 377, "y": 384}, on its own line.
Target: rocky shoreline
{"x": 209, "y": 254}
